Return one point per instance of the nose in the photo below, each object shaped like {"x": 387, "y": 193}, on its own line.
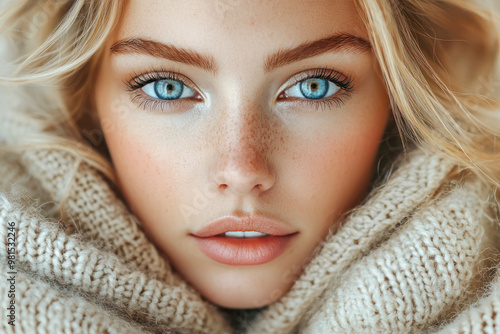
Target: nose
{"x": 244, "y": 171}
{"x": 242, "y": 165}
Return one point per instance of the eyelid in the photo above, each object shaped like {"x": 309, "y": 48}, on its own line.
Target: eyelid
{"x": 137, "y": 82}
{"x": 145, "y": 101}
{"x": 159, "y": 73}
{"x": 312, "y": 73}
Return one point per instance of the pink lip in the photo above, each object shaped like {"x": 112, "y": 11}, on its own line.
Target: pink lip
{"x": 244, "y": 251}
{"x": 258, "y": 223}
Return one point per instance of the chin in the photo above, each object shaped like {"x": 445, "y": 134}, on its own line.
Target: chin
{"x": 233, "y": 302}
{"x": 238, "y": 286}
{"x": 232, "y": 295}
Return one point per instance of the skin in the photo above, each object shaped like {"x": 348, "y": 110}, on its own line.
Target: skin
{"x": 240, "y": 149}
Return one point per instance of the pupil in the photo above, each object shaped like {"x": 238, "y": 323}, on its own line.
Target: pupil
{"x": 164, "y": 88}
{"x": 314, "y": 89}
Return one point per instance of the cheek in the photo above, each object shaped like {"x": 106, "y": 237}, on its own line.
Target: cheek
{"x": 133, "y": 165}
{"x": 341, "y": 163}
{"x": 147, "y": 172}
{"x": 335, "y": 171}
{"x": 148, "y": 162}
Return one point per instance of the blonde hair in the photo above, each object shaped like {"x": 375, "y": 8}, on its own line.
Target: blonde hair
{"x": 58, "y": 45}
{"x": 438, "y": 60}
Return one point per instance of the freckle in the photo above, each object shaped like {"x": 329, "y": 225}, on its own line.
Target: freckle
{"x": 262, "y": 132}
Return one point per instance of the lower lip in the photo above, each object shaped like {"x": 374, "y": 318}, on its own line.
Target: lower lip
{"x": 244, "y": 251}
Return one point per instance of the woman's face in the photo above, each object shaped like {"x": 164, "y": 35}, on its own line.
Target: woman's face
{"x": 240, "y": 108}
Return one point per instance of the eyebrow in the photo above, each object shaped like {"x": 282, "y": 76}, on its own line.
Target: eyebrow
{"x": 280, "y": 58}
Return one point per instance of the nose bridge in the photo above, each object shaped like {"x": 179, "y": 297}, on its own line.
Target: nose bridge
{"x": 243, "y": 148}
{"x": 245, "y": 129}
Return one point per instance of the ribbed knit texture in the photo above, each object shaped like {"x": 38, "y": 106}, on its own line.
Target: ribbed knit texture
{"x": 403, "y": 261}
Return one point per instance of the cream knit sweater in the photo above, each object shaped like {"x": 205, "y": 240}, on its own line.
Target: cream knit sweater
{"x": 403, "y": 261}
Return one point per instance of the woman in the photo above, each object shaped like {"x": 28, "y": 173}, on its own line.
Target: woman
{"x": 250, "y": 167}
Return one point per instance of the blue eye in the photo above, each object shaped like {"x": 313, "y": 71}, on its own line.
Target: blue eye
{"x": 313, "y": 88}
{"x": 168, "y": 89}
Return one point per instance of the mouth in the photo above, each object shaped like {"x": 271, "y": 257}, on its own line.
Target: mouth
{"x": 249, "y": 240}
{"x": 242, "y": 234}
{"x": 247, "y": 227}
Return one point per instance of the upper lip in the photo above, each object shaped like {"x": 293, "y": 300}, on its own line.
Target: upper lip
{"x": 255, "y": 222}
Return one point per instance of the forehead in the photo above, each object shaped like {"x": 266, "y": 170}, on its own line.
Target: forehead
{"x": 231, "y": 25}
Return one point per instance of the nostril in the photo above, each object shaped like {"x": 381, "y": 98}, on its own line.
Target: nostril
{"x": 243, "y": 176}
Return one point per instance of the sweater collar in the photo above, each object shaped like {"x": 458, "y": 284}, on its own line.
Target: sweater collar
{"x": 355, "y": 267}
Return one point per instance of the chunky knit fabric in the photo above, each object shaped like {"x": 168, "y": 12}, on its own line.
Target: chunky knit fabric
{"x": 418, "y": 255}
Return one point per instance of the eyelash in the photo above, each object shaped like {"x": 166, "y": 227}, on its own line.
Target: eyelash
{"x": 345, "y": 83}
{"x": 140, "y": 80}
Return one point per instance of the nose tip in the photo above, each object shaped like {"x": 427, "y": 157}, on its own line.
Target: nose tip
{"x": 243, "y": 146}
{"x": 244, "y": 174}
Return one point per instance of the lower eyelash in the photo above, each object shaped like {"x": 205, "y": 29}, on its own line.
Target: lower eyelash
{"x": 324, "y": 104}
{"x": 336, "y": 101}
{"x": 153, "y": 104}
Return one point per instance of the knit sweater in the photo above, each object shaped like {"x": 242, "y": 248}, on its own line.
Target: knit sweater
{"x": 417, "y": 255}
